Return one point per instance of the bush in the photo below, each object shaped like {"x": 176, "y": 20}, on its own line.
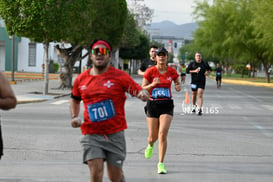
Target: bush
{"x": 56, "y": 67}
{"x": 241, "y": 69}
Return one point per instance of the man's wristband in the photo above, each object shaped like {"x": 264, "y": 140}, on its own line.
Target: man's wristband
{"x": 74, "y": 117}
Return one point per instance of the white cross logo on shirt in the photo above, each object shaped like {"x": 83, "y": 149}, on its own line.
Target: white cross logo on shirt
{"x": 83, "y": 87}
{"x": 108, "y": 84}
{"x": 170, "y": 79}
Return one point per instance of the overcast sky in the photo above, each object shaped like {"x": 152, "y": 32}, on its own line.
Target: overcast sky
{"x": 177, "y": 11}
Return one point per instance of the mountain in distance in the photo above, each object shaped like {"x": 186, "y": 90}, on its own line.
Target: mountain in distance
{"x": 168, "y": 28}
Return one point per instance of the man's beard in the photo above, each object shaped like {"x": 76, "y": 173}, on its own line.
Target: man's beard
{"x": 101, "y": 67}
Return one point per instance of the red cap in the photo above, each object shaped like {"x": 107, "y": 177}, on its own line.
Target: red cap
{"x": 102, "y": 42}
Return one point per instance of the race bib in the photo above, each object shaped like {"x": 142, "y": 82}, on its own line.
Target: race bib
{"x": 218, "y": 73}
{"x": 101, "y": 111}
{"x": 193, "y": 86}
{"x": 161, "y": 93}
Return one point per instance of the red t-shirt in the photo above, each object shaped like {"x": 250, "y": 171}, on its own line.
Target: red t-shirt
{"x": 104, "y": 98}
{"x": 163, "y": 89}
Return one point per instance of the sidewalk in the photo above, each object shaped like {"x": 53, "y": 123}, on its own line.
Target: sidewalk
{"x": 32, "y": 91}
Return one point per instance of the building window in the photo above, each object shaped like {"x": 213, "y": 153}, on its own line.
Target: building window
{"x": 31, "y": 54}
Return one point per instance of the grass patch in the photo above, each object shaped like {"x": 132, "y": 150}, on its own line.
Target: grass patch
{"x": 245, "y": 78}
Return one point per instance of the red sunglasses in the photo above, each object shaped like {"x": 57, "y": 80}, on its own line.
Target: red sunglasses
{"x": 101, "y": 50}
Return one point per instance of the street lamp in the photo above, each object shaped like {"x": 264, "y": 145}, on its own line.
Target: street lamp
{"x": 12, "y": 59}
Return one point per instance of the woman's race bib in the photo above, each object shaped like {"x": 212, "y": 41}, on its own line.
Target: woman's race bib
{"x": 193, "y": 86}
{"x": 101, "y": 111}
{"x": 161, "y": 93}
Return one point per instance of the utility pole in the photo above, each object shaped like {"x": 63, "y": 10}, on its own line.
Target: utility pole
{"x": 12, "y": 60}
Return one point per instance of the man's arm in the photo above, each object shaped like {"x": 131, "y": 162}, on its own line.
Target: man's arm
{"x": 139, "y": 72}
{"x": 135, "y": 90}
{"x": 189, "y": 68}
{"x": 7, "y": 97}
{"x": 143, "y": 95}
{"x": 208, "y": 69}
{"x": 75, "y": 110}
{"x": 142, "y": 69}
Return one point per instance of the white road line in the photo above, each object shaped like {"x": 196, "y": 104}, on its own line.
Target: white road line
{"x": 60, "y": 102}
{"x": 269, "y": 107}
{"x": 233, "y": 106}
{"x": 262, "y": 129}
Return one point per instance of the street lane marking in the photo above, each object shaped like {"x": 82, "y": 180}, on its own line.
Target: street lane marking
{"x": 269, "y": 107}
{"x": 262, "y": 129}
{"x": 233, "y": 106}
{"x": 60, "y": 102}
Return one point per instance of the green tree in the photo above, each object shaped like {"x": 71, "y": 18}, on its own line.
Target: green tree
{"x": 74, "y": 22}
{"x": 134, "y": 44}
{"x": 139, "y": 51}
{"x": 131, "y": 34}
{"x": 210, "y": 36}
{"x": 187, "y": 52}
{"x": 226, "y": 31}
{"x": 263, "y": 27}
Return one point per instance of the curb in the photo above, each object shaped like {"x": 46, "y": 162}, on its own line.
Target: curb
{"x": 241, "y": 82}
{"x": 35, "y": 100}
{"x": 30, "y": 101}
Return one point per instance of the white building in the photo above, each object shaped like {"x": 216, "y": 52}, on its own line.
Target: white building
{"x": 27, "y": 56}
{"x": 173, "y": 44}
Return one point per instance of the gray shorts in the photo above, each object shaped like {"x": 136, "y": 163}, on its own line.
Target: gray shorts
{"x": 111, "y": 148}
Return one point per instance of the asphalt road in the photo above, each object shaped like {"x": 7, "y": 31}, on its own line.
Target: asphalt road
{"x": 231, "y": 141}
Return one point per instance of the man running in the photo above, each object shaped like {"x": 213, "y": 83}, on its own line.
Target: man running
{"x": 102, "y": 89}
{"x": 198, "y": 70}
{"x": 148, "y": 62}
{"x": 218, "y": 75}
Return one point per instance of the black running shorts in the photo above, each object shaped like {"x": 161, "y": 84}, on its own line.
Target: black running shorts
{"x": 218, "y": 78}
{"x": 195, "y": 86}
{"x": 155, "y": 108}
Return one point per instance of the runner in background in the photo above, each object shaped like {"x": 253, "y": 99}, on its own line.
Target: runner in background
{"x": 218, "y": 74}
{"x": 198, "y": 69}
{"x": 183, "y": 69}
{"x": 159, "y": 109}
{"x": 148, "y": 62}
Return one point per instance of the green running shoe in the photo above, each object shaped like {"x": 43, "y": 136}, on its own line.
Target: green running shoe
{"x": 149, "y": 151}
{"x": 161, "y": 168}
